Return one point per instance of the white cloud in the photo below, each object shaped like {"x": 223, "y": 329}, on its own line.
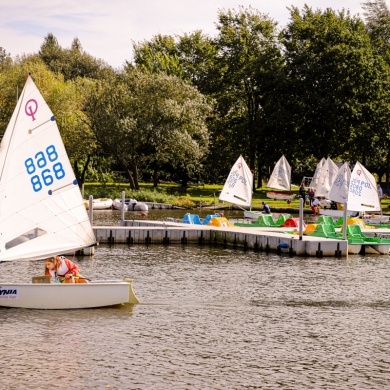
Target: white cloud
{"x": 106, "y": 28}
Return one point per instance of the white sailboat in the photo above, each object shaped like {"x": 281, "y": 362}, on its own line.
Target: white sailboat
{"x": 360, "y": 195}
{"x": 42, "y": 212}
{"x": 326, "y": 176}
{"x": 238, "y": 187}
{"x": 357, "y": 192}
{"x": 338, "y": 192}
{"x": 363, "y": 195}
{"x": 340, "y": 187}
{"x": 280, "y": 179}
{"x": 316, "y": 176}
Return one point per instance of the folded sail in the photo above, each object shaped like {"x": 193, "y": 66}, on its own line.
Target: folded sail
{"x": 42, "y": 212}
{"x": 238, "y": 185}
{"x": 281, "y": 175}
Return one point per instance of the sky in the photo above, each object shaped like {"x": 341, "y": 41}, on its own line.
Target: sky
{"x": 108, "y": 28}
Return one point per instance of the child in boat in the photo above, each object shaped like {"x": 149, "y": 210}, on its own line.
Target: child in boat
{"x": 65, "y": 270}
{"x": 266, "y": 208}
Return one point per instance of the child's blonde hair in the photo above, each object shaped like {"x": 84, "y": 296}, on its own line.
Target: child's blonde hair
{"x": 54, "y": 260}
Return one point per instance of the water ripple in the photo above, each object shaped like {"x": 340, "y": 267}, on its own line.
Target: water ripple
{"x": 210, "y": 318}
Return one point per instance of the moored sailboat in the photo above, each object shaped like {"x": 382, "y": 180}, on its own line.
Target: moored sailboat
{"x": 238, "y": 187}
{"x": 356, "y": 190}
{"x": 280, "y": 179}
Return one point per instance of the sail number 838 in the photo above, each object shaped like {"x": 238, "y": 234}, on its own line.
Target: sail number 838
{"x": 42, "y": 170}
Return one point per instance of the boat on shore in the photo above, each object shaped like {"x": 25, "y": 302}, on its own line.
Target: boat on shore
{"x": 280, "y": 196}
{"x": 99, "y": 204}
{"x": 129, "y": 205}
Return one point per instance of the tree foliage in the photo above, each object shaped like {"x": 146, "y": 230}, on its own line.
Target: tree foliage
{"x": 188, "y": 105}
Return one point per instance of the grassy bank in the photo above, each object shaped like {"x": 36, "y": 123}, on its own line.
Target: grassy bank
{"x": 191, "y": 197}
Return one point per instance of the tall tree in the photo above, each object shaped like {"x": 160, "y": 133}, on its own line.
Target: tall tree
{"x": 150, "y": 120}
{"x": 248, "y": 55}
{"x": 336, "y": 84}
{"x": 377, "y": 16}
{"x": 71, "y": 63}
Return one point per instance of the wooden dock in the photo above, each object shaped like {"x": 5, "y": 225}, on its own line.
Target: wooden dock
{"x": 257, "y": 239}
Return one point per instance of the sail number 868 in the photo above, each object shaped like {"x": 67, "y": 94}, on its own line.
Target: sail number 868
{"x": 40, "y": 169}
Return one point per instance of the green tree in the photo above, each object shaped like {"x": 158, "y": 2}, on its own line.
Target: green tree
{"x": 336, "y": 85}
{"x": 71, "y": 63}
{"x": 158, "y": 55}
{"x": 150, "y": 120}
{"x": 5, "y": 58}
{"x": 248, "y": 57}
{"x": 170, "y": 122}
{"x": 377, "y": 16}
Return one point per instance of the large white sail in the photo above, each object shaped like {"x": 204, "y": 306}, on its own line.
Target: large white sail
{"x": 339, "y": 190}
{"x": 42, "y": 212}
{"x": 326, "y": 177}
{"x": 281, "y": 175}
{"x": 362, "y": 193}
{"x": 238, "y": 185}
{"x": 316, "y": 176}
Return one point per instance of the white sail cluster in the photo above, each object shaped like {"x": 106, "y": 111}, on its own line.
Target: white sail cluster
{"x": 356, "y": 189}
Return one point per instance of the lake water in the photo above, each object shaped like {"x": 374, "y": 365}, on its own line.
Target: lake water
{"x": 210, "y": 318}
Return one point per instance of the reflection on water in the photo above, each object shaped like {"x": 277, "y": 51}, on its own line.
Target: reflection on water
{"x": 210, "y": 318}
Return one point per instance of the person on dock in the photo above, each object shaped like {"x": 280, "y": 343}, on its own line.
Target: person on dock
{"x": 311, "y": 195}
{"x": 266, "y": 208}
{"x": 380, "y": 191}
{"x": 315, "y": 206}
{"x": 63, "y": 270}
{"x": 302, "y": 192}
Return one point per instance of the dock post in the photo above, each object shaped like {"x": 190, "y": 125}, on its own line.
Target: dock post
{"x": 148, "y": 239}
{"x": 319, "y": 252}
{"x": 166, "y": 238}
{"x": 301, "y": 218}
{"x": 123, "y": 208}
{"x": 90, "y": 202}
{"x": 201, "y": 238}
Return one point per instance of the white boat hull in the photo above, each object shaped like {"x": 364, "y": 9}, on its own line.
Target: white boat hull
{"x": 280, "y": 196}
{"x": 374, "y": 249}
{"x": 99, "y": 204}
{"x": 377, "y": 219}
{"x": 129, "y": 205}
{"x": 335, "y": 213}
{"x": 252, "y": 214}
{"x": 382, "y": 249}
{"x": 66, "y": 296}
{"x": 354, "y": 249}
